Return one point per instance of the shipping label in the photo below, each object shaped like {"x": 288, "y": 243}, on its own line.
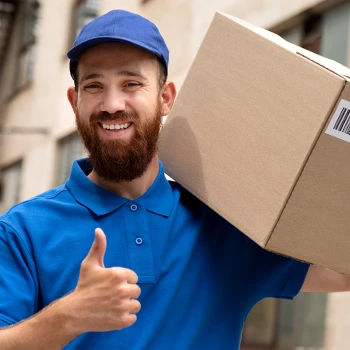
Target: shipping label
{"x": 339, "y": 125}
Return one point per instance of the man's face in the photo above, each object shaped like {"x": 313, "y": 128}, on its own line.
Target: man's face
{"x": 118, "y": 109}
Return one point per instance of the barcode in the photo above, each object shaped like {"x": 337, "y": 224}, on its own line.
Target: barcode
{"x": 339, "y": 125}
{"x": 343, "y": 122}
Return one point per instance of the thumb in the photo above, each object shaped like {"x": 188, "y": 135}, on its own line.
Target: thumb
{"x": 98, "y": 249}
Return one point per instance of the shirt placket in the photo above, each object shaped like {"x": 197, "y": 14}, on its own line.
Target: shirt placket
{"x": 138, "y": 241}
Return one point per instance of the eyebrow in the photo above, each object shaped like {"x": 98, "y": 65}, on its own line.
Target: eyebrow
{"x": 129, "y": 73}
{"x": 123, "y": 73}
{"x": 90, "y": 76}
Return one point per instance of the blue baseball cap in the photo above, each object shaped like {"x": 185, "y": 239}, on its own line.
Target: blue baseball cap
{"x": 119, "y": 26}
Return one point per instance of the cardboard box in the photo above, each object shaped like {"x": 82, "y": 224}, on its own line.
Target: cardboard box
{"x": 260, "y": 132}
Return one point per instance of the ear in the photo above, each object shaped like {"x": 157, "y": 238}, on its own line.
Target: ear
{"x": 167, "y": 95}
{"x": 73, "y": 98}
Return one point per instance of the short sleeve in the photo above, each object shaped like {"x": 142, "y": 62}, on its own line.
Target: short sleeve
{"x": 271, "y": 275}
{"x": 294, "y": 279}
{"x": 18, "y": 278}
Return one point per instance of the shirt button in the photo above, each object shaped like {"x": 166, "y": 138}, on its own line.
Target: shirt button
{"x": 138, "y": 240}
{"x": 133, "y": 207}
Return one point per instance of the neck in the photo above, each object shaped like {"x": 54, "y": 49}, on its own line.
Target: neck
{"x": 132, "y": 189}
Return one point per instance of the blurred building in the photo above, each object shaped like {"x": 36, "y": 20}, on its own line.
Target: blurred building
{"x": 38, "y": 141}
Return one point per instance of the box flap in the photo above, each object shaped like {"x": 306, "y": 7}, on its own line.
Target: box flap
{"x": 322, "y": 61}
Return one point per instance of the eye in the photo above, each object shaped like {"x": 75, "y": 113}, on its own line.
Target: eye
{"x": 93, "y": 86}
{"x": 132, "y": 84}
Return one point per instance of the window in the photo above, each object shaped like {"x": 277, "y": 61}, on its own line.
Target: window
{"x": 70, "y": 148}
{"x": 325, "y": 33}
{"x": 11, "y": 185}
{"x": 7, "y": 15}
{"x": 260, "y": 329}
{"x": 312, "y": 34}
{"x": 260, "y": 326}
{"x": 84, "y": 11}
{"x": 287, "y": 324}
{"x": 26, "y": 56}
{"x": 309, "y": 320}
{"x": 308, "y": 35}
{"x": 335, "y": 33}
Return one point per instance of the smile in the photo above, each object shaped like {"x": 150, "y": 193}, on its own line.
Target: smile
{"x": 115, "y": 126}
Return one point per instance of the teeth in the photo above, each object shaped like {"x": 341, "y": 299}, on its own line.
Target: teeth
{"x": 116, "y": 126}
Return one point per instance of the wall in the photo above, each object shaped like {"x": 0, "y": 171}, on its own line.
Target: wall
{"x": 183, "y": 24}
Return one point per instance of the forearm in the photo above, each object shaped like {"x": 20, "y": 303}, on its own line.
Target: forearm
{"x": 319, "y": 279}
{"x": 52, "y": 328}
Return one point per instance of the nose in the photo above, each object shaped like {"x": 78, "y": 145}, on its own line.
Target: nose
{"x": 113, "y": 101}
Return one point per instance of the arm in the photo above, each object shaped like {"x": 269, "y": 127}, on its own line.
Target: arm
{"x": 319, "y": 279}
{"x": 52, "y": 328}
{"x": 103, "y": 300}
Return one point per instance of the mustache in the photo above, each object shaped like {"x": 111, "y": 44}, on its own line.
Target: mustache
{"x": 120, "y": 115}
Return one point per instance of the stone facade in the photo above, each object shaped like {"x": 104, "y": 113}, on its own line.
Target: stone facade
{"x": 43, "y": 104}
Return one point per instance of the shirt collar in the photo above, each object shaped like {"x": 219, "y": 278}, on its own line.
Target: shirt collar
{"x": 158, "y": 199}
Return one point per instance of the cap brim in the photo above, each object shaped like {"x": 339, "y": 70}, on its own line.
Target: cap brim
{"x": 76, "y": 52}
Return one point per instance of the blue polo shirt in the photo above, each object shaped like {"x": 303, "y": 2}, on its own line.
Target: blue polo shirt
{"x": 199, "y": 275}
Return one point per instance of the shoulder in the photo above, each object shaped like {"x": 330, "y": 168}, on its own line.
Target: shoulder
{"x": 35, "y": 206}
{"x": 190, "y": 207}
{"x": 185, "y": 197}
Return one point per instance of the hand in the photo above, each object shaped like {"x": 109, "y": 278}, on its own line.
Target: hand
{"x": 104, "y": 298}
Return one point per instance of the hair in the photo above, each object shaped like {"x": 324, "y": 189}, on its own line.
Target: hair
{"x": 162, "y": 76}
{"x": 162, "y": 73}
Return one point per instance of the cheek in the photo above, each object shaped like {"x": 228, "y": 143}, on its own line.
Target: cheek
{"x": 148, "y": 107}
{"x": 85, "y": 108}
{"x": 146, "y": 98}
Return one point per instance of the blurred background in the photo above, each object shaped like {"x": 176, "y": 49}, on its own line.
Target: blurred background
{"x": 38, "y": 141}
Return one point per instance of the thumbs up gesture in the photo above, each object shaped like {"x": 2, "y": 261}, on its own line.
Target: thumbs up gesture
{"x": 104, "y": 298}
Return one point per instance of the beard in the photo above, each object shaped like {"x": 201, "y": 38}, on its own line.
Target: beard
{"x": 119, "y": 160}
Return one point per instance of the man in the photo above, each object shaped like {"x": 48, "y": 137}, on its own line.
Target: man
{"x": 195, "y": 276}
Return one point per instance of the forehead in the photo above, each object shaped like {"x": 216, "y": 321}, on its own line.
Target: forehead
{"x": 117, "y": 55}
